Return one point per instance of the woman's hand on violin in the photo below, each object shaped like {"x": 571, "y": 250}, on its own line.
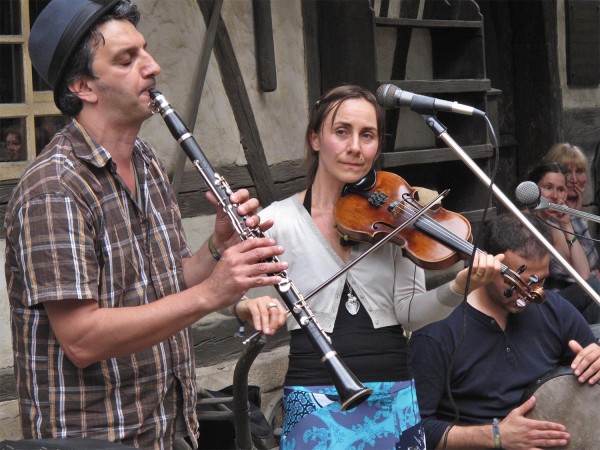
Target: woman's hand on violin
{"x": 485, "y": 268}
{"x": 265, "y": 313}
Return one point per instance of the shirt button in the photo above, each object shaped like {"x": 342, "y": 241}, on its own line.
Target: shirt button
{"x": 493, "y": 322}
{"x": 507, "y": 349}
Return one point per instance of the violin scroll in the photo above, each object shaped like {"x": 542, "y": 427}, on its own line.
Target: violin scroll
{"x": 528, "y": 293}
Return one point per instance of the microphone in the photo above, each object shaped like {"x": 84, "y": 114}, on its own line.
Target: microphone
{"x": 528, "y": 195}
{"x": 391, "y": 96}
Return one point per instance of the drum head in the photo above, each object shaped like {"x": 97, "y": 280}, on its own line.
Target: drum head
{"x": 561, "y": 398}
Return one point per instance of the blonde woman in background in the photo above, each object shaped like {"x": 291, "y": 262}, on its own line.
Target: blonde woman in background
{"x": 575, "y": 163}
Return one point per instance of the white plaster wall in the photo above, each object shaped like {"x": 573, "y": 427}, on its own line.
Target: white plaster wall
{"x": 175, "y": 37}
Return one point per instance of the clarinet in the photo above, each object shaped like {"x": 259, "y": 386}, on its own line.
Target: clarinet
{"x": 351, "y": 391}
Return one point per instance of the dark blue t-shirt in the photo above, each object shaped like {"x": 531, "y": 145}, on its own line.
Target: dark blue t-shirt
{"x": 491, "y": 368}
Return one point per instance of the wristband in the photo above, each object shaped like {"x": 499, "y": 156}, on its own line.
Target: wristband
{"x": 213, "y": 250}
{"x": 496, "y": 434}
{"x": 570, "y": 242}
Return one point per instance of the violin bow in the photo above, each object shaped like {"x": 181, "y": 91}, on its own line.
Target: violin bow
{"x": 396, "y": 230}
{"x": 351, "y": 264}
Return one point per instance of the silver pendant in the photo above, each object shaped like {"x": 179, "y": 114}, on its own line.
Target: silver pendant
{"x": 352, "y": 304}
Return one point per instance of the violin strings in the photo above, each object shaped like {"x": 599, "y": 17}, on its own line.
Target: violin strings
{"x": 444, "y": 232}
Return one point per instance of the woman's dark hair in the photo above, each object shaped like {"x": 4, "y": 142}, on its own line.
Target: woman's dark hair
{"x": 331, "y": 101}
{"x": 538, "y": 171}
{"x": 80, "y": 64}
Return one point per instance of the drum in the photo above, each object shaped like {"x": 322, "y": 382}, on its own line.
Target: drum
{"x": 561, "y": 398}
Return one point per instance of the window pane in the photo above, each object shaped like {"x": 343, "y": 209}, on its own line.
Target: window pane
{"x": 10, "y": 17}
{"x": 35, "y": 7}
{"x": 11, "y": 74}
{"x": 45, "y": 128}
{"x": 13, "y": 145}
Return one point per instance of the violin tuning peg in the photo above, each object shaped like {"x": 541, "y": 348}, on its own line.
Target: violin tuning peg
{"x": 522, "y": 269}
{"x": 533, "y": 279}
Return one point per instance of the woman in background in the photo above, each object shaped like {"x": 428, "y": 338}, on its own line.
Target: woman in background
{"x": 575, "y": 162}
{"x": 551, "y": 178}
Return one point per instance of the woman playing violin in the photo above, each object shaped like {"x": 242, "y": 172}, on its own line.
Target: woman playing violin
{"x": 369, "y": 310}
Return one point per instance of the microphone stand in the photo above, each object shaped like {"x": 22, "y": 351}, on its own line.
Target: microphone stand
{"x": 440, "y": 132}
{"x": 570, "y": 211}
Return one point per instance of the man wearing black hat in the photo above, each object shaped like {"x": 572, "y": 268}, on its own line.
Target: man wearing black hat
{"x": 102, "y": 286}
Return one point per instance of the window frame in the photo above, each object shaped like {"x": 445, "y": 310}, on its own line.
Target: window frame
{"x": 36, "y": 104}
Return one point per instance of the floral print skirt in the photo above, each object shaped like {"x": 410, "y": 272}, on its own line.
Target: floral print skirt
{"x": 388, "y": 419}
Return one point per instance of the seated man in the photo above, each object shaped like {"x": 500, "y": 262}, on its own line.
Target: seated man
{"x": 493, "y": 350}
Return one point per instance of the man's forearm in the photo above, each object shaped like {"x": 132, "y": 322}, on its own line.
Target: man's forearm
{"x": 462, "y": 437}
{"x": 199, "y": 266}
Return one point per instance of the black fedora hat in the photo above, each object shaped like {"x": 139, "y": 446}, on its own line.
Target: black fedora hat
{"x": 58, "y": 30}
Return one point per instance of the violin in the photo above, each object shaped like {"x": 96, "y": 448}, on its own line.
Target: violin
{"x": 374, "y": 206}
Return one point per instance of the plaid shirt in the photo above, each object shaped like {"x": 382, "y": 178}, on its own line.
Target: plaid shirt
{"x": 74, "y": 231}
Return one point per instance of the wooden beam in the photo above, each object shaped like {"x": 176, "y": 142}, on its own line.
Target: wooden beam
{"x": 264, "y": 46}
{"x": 237, "y": 94}
{"x": 198, "y": 81}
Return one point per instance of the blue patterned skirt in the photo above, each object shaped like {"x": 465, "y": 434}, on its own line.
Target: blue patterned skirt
{"x": 388, "y": 419}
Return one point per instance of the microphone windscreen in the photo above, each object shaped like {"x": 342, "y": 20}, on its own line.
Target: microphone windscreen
{"x": 528, "y": 194}
{"x": 385, "y": 95}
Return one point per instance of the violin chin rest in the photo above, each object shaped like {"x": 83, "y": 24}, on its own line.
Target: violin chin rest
{"x": 424, "y": 195}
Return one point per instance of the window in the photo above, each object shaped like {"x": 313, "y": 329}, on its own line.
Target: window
{"x": 27, "y": 111}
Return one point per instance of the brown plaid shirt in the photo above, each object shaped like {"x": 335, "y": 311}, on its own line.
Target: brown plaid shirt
{"x": 73, "y": 231}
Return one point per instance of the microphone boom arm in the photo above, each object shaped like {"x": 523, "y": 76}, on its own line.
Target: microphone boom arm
{"x": 440, "y": 132}
{"x": 572, "y": 212}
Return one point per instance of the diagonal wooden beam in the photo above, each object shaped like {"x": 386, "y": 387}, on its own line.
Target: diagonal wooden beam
{"x": 237, "y": 94}
{"x": 191, "y": 113}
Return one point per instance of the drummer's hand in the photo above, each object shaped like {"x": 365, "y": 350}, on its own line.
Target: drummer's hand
{"x": 267, "y": 314}
{"x": 485, "y": 267}
{"x": 519, "y": 432}
{"x": 586, "y": 364}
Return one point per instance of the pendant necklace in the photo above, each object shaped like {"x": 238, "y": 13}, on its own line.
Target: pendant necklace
{"x": 352, "y": 304}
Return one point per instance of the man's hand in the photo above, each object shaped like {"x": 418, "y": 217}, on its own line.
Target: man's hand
{"x": 519, "y": 432}
{"x": 586, "y": 364}
{"x": 225, "y": 235}
{"x": 243, "y": 266}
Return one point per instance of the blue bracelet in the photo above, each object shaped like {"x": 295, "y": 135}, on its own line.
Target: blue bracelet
{"x": 496, "y": 433}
